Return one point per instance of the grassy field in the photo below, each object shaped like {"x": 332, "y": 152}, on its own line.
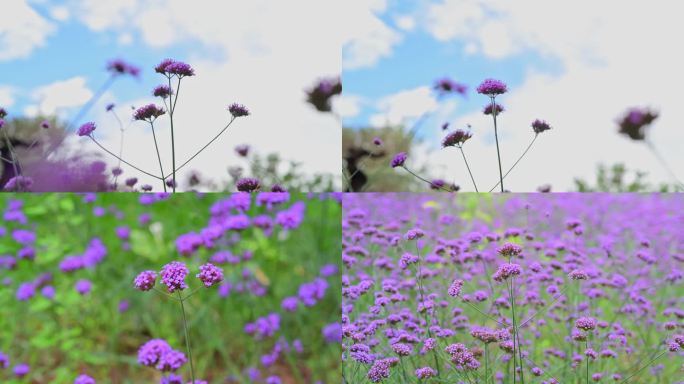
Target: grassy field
{"x": 267, "y": 254}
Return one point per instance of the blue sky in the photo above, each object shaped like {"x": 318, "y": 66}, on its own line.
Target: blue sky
{"x": 76, "y": 50}
{"x": 419, "y": 59}
{"x": 59, "y": 50}
{"x": 572, "y": 64}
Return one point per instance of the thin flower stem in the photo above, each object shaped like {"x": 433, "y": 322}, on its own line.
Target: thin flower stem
{"x": 586, "y": 344}
{"x": 422, "y": 179}
{"x": 516, "y": 162}
{"x": 187, "y": 338}
{"x": 124, "y": 161}
{"x": 547, "y": 307}
{"x": 644, "y": 367}
{"x": 467, "y": 166}
{"x": 510, "y": 294}
{"x": 496, "y": 137}
{"x": 205, "y": 146}
{"x": 172, "y": 107}
{"x": 88, "y": 105}
{"x": 156, "y": 147}
{"x": 662, "y": 161}
{"x": 482, "y": 313}
{"x": 517, "y": 336}
{"x": 10, "y": 147}
{"x": 486, "y": 359}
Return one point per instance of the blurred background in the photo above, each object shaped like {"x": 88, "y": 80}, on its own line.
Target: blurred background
{"x": 580, "y": 66}
{"x": 61, "y": 333}
{"x": 270, "y": 56}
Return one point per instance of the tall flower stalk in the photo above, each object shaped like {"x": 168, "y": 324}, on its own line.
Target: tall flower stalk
{"x": 170, "y": 69}
{"x": 493, "y": 88}
{"x": 173, "y": 277}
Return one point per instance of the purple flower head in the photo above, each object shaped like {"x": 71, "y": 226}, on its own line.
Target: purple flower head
{"x": 162, "y": 91}
{"x": 248, "y": 184}
{"x": 150, "y": 352}
{"x": 398, "y": 160}
{"x": 86, "y": 129}
{"x": 509, "y": 250}
{"x": 210, "y": 274}
{"x": 492, "y": 87}
{"x": 273, "y": 380}
{"x": 488, "y": 109}
{"x": 109, "y": 107}
{"x": 456, "y": 138}
{"x": 148, "y": 112}
{"x": 446, "y": 86}
{"x": 45, "y": 124}
{"x": 402, "y": 349}
{"x": 578, "y": 274}
{"x": 238, "y": 110}
{"x": 48, "y": 292}
{"x": 321, "y": 94}
{"x": 505, "y": 271}
{"x": 131, "y": 181}
{"x": 278, "y": 188}
{"x": 19, "y": 184}
{"x": 171, "y": 360}
{"x": 116, "y": 171}
{"x": 635, "y": 121}
{"x": 290, "y": 304}
{"x": 83, "y": 286}
{"x": 333, "y": 333}
{"x": 120, "y": 67}
{"x": 21, "y": 370}
{"x": 242, "y": 150}
{"x": 4, "y": 360}
{"x": 377, "y": 141}
{"x": 123, "y": 306}
{"x": 413, "y": 234}
{"x": 173, "y": 276}
{"x": 586, "y": 323}
{"x": 171, "y": 379}
{"x": 379, "y": 371}
{"x": 3, "y": 113}
{"x": 539, "y": 126}
{"x": 455, "y": 288}
{"x": 425, "y": 372}
{"x": 145, "y": 280}
{"x": 26, "y": 291}
{"x": 84, "y": 379}
{"x": 146, "y": 187}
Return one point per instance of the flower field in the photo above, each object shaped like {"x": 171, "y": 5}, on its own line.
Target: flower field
{"x": 157, "y": 288}
{"x": 563, "y": 288}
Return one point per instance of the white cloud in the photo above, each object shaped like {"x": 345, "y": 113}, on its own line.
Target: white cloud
{"x": 612, "y": 57}
{"x": 264, "y": 54}
{"x": 347, "y": 106}
{"x": 54, "y": 97}
{"x": 403, "y": 106}
{"x": 22, "y": 30}
{"x": 367, "y": 39}
{"x": 6, "y": 96}
{"x": 406, "y": 23}
{"x": 125, "y": 39}
{"x": 60, "y": 13}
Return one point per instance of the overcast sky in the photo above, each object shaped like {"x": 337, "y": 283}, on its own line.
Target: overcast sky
{"x": 579, "y": 65}
{"x": 261, "y": 53}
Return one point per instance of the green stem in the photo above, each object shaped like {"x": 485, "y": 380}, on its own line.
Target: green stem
{"x": 467, "y": 166}
{"x": 124, "y": 161}
{"x": 496, "y": 137}
{"x": 187, "y": 338}
{"x": 517, "y": 161}
{"x": 156, "y": 147}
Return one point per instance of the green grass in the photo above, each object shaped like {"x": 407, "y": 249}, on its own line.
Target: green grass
{"x": 75, "y": 334}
